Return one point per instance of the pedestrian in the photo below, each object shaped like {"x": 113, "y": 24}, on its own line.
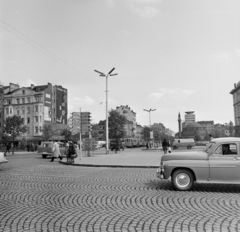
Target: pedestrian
{"x": 55, "y": 152}
{"x": 72, "y": 153}
{"x": 147, "y": 146}
{"x": 165, "y": 146}
{"x": 28, "y": 147}
{"x": 210, "y": 137}
{"x": 8, "y": 148}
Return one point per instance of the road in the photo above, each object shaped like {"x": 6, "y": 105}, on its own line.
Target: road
{"x": 38, "y": 195}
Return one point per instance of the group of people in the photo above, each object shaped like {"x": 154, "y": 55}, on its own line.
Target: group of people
{"x": 32, "y": 147}
{"x": 70, "y": 151}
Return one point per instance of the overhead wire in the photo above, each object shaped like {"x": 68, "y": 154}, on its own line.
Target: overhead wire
{"x": 42, "y": 49}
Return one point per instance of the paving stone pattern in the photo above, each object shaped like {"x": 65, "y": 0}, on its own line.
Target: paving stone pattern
{"x": 38, "y": 195}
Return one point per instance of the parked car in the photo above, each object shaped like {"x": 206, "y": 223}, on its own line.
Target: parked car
{"x": 2, "y": 158}
{"x": 45, "y": 149}
{"x": 218, "y": 162}
{"x": 188, "y": 143}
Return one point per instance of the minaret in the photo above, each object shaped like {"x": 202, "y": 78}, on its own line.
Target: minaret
{"x": 179, "y": 126}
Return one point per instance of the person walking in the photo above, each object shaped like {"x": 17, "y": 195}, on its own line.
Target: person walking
{"x": 55, "y": 152}
{"x": 165, "y": 146}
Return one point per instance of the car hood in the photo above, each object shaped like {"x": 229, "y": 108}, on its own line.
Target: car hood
{"x": 195, "y": 155}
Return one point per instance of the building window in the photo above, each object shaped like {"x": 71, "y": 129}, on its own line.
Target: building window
{"x": 23, "y": 111}
{"x": 18, "y": 101}
{"x": 23, "y": 91}
{"x": 9, "y": 102}
{"x": 10, "y": 110}
{"x": 36, "y": 129}
{"x": 28, "y": 120}
{"x": 36, "y": 108}
{"x": 29, "y": 100}
{"x": 36, "y": 118}
{"x": 28, "y": 110}
{"x": 40, "y": 118}
{"x": 23, "y": 100}
{"x": 18, "y": 112}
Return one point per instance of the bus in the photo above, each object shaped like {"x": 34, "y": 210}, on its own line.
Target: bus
{"x": 134, "y": 142}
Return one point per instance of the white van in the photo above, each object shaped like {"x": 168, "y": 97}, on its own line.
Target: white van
{"x": 188, "y": 143}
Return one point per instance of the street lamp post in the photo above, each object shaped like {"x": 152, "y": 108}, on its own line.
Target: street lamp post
{"x": 104, "y": 75}
{"x": 149, "y": 111}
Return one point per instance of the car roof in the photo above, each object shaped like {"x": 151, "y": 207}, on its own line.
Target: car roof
{"x": 226, "y": 139}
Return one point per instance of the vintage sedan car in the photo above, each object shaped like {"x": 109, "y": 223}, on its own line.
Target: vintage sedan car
{"x": 218, "y": 162}
{"x": 45, "y": 149}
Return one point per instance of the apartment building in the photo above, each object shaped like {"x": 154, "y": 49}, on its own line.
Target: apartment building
{"x": 236, "y": 107}
{"x": 209, "y": 125}
{"x": 131, "y": 125}
{"x": 35, "y": 104}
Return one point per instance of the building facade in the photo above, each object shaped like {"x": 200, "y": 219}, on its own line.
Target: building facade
{"x": 131, "y": 125}
{"x": 209, "y": 125}
{"x": 236, "y": 107}
{"x": 35, "y": 104}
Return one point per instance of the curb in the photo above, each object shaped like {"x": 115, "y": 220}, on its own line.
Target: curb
{"x": 109, "y": 166}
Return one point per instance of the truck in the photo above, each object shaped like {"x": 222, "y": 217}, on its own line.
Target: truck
{"x": 188, "y": 143}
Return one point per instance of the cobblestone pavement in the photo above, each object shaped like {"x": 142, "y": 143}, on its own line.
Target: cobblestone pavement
{"x": 37, "y": 195}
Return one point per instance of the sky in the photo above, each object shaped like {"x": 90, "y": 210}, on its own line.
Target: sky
{"x": 170, "y": 55}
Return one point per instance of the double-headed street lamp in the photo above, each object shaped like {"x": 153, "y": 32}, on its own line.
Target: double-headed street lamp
{"x": 104, "y": 75}
{"x": 149, "y": 111}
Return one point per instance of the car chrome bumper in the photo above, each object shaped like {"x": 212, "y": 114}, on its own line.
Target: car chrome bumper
{"x": 160, "y": 173}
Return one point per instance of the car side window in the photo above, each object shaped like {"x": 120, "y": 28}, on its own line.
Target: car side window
{"x": 226, "y": 149}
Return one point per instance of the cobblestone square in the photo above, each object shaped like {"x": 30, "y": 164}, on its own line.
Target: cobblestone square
{"x": 38, "y": 195}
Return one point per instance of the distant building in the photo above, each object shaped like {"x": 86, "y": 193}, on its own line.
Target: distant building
{"x": 236, "y": 106}
{"x": 131, "y": 125}
{"x": 209, "y": 125}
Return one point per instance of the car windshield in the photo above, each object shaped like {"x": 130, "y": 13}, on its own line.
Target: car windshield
{"x": 209, "y": 147}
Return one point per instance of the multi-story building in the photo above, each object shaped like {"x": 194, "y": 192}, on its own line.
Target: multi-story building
{"x": 130, "y": 115}
{"x": 189, "y": 118}
{"x": 59, "y": 105}
{"x": 35, "y": 105}
{"x": 236, "y": 106}
{"x": 209, "y": 125}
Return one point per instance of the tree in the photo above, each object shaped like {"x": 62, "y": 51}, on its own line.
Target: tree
{"x": 67, "y": 134}
{"x": 95, "y": 131}
{"x": 14, "y": 126}
{"x": 116, "y": 125}
{"x": 47, "y": 132}
{"x": 146, "y": 133}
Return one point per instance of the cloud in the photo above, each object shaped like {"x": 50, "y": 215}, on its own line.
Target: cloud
{"x": 174, "y": 94}
{"x": 237, "y": 52}
{"x": 110, "y": 3}
{"x": 145, "y": 11}
{"x": 222, "y": 57}
{"x": 82, "y": 101}
{"x": 27, "y": 83}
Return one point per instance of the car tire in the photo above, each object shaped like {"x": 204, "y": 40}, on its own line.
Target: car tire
{"x": 44, "y": 156}
{"x": 182, "y": 180}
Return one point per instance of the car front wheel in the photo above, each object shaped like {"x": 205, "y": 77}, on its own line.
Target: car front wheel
{"x": 182, "y": 180}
